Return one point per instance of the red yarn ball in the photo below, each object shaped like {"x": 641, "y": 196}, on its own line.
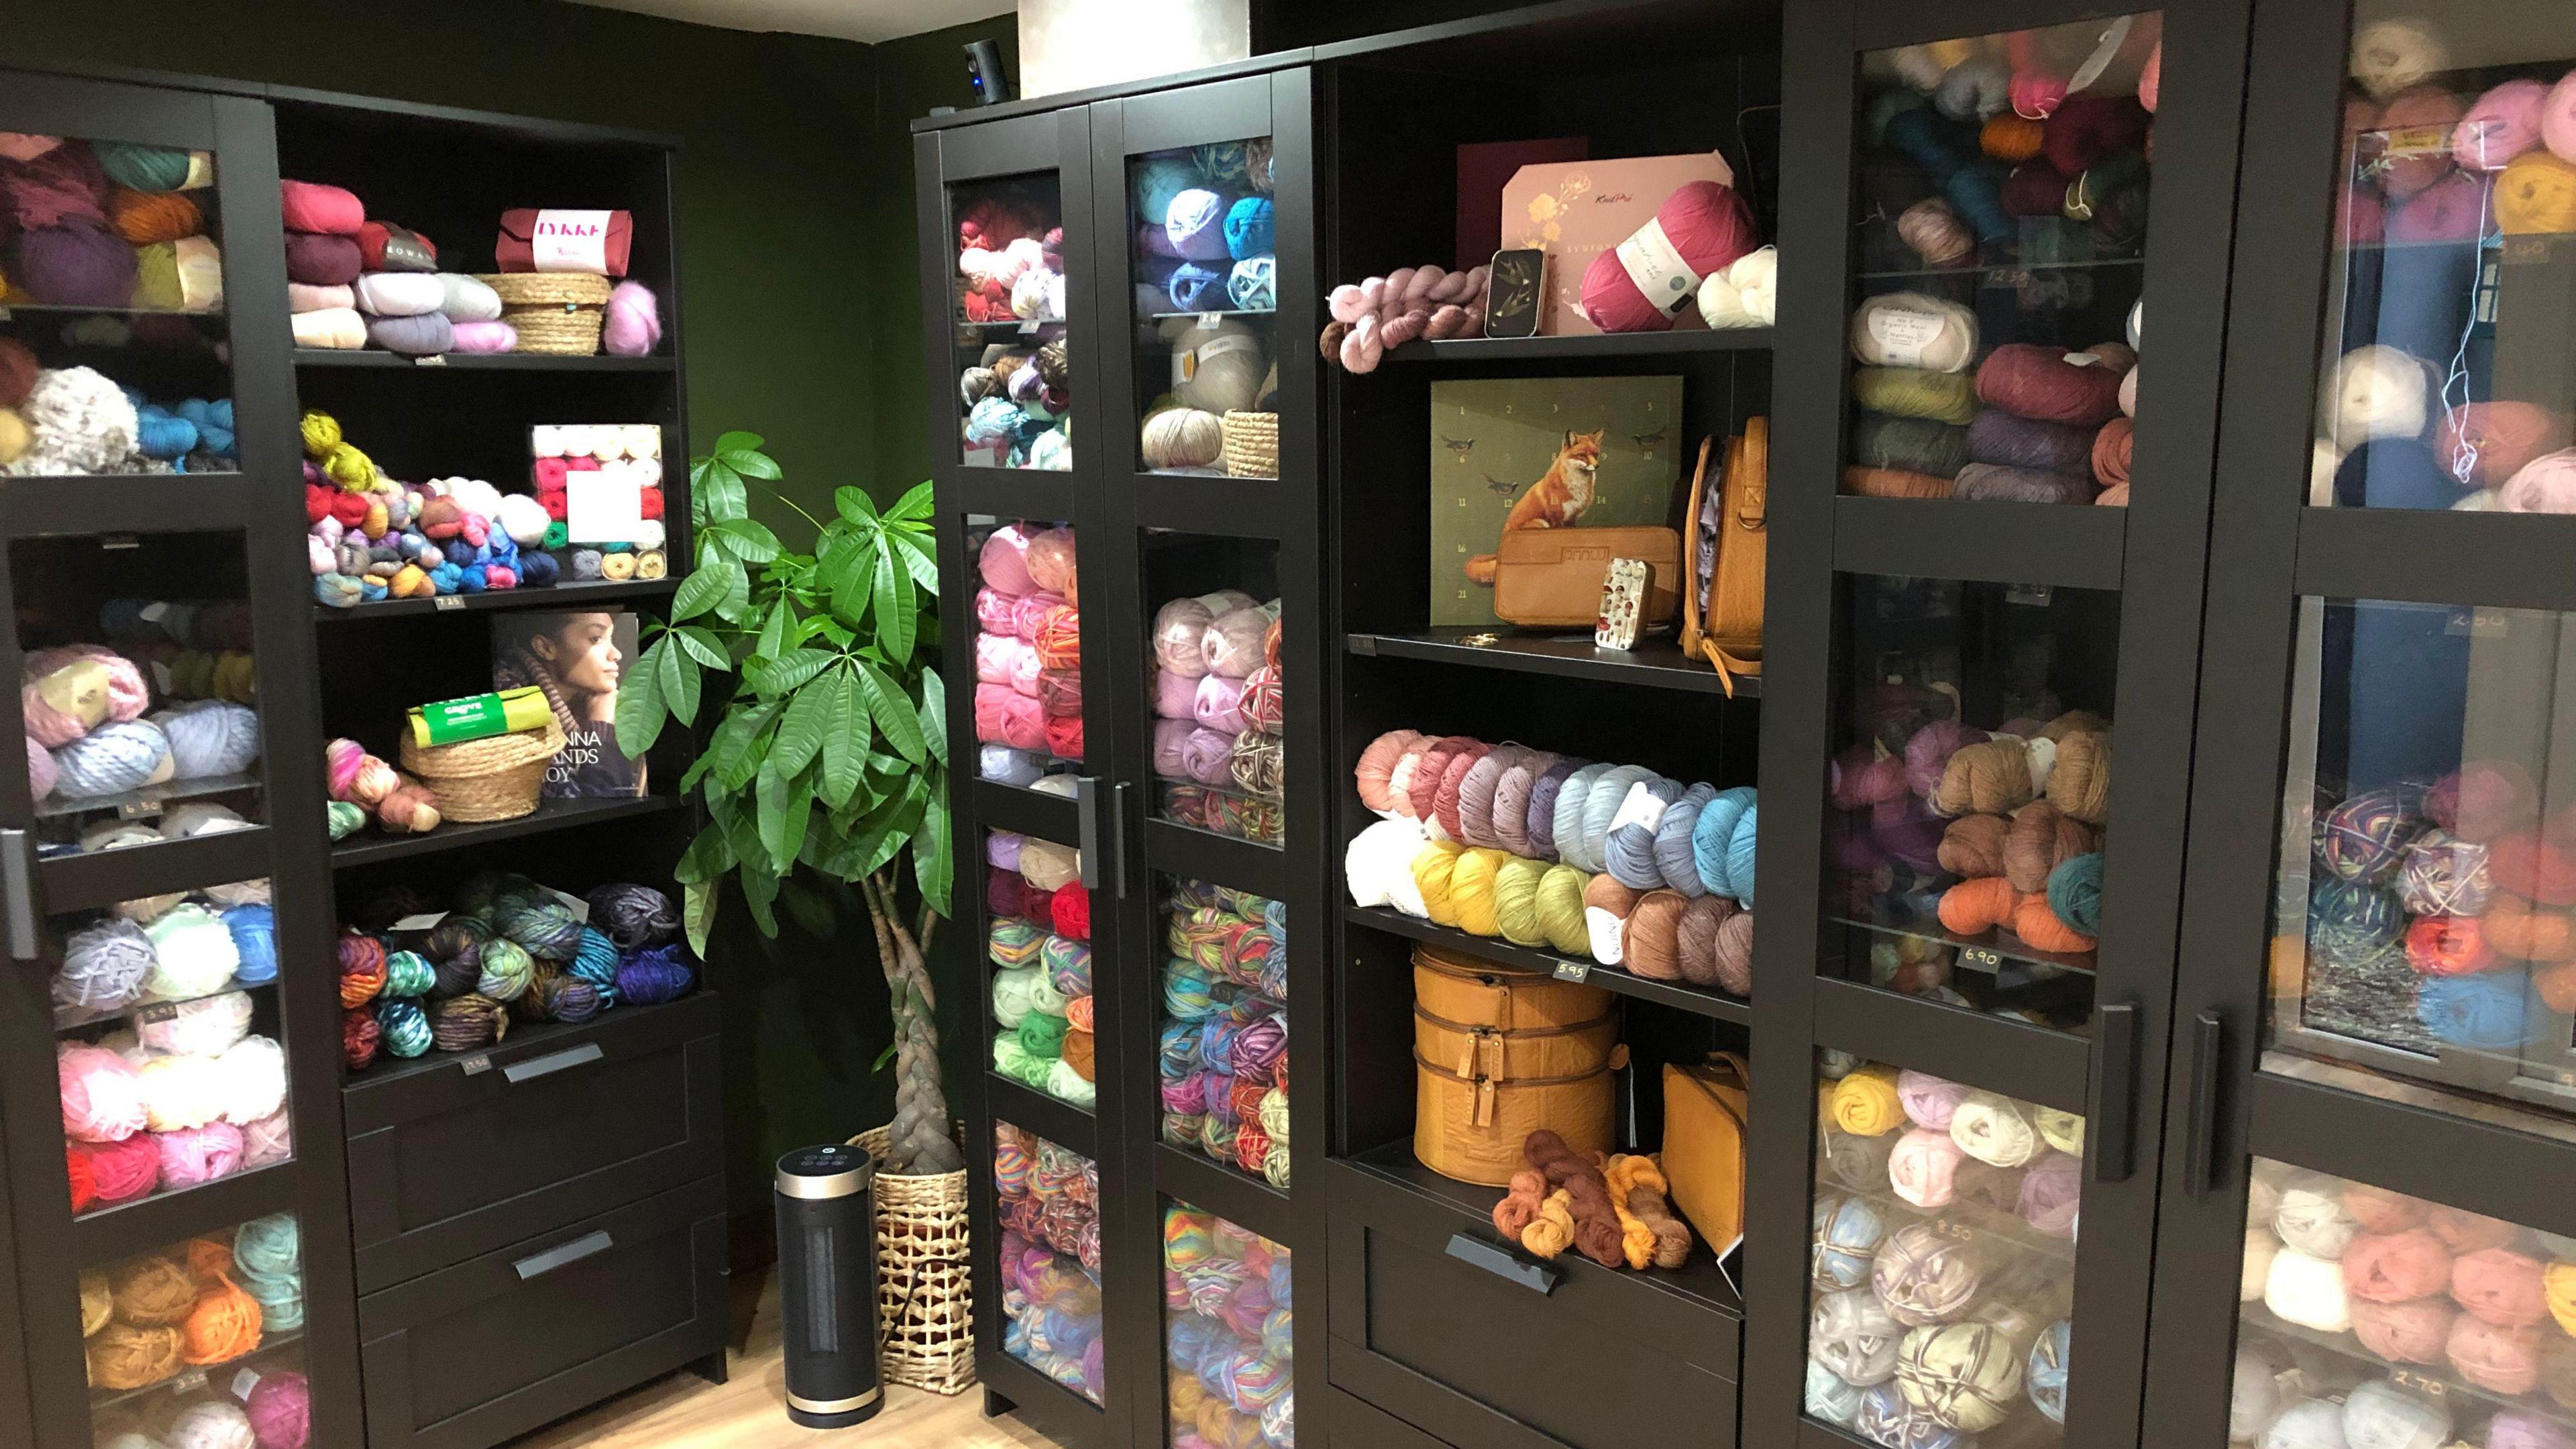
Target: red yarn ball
{"x": 122, "y": 1171}
{"x": 2447, "y": 946}
{"x": 18, "y": 369}
{"x": 2087, "y": 128}
{"x": 1035, "y": 904}
{"x": 1705, "y": 223}
{"x": 84, "y": 1182}
{"x": 1070, "y": 912}
{"x": 2031, "y": 381}
{"x": 359, "y": 1037}
{"x": 1064, "y": 737}
{"x": 652, "y": 503}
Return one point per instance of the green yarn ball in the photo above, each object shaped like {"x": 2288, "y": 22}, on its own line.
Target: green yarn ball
{"x": 345, "y": 819}
{"x": 2075, "y": 892}
{"x": 142, "y": 168}
{"x": 1907, "y": 392}
{"x": 1042, "y": 1036}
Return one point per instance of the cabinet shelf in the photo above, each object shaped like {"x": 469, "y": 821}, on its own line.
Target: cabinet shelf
{"x": 479, "y": 362}
{"x": 163, "y": 1220}
{"x": 143, "y": 799}
{"x": 75, "y": 1018}
{"x": 1059, "y": 1122}
{"x": 1699, "y": 1000}
{"x": 1229, "y": 1192}
{"x": 1677, "y": 343}
{"x": 553, "y": 596}
{"x": 196, "y": 1380}
{"x": 2412, "y": 1376}
{"x": 1999, "y": 943}
{"x": 2094, "y": 264}
{"x": 2061, "y": 545}
{"x": 551, "y": 815}
{"x": 1653, "y": 664}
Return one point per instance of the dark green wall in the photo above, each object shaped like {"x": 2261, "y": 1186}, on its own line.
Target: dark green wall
{"x": 796, "y": 234}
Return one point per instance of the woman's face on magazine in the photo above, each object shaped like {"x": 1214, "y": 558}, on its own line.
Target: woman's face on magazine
{"x": 590, "y": 660}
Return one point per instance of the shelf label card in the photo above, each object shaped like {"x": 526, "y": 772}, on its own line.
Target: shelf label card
{"x": 1575, "y": 971}
{"x": 243, "y": 1383}
{"x": 580, "y": 908}
{"x": 421, "y": 922}
{"x": 447, "y": 604}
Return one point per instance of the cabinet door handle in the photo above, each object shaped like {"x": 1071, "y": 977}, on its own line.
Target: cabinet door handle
{"x": 588, "y": 1245}
{"x": 552, "y": 1062}
{"x": 18, "y": 895}
{"x": 1539, "y": 1278}
{"x": 2112, "y": 1110}
{"x": 2200, "y": 1136}
{"x": 1103, "y": 843}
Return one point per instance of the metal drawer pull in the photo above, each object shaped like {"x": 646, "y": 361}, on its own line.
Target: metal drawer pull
{"x": 588, "y": 1245}
{"x": 552, "y": 1062}
{"x": 1539, "y": 1278}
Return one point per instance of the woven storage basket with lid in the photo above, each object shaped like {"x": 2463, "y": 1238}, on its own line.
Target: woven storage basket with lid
{"x": 1499, "y": 1053}
{"x": 487, "y": 779}
{"x": 925, "y": 1289}
{"x": 557, "y": 313}
{"x": 1252, "y": 445}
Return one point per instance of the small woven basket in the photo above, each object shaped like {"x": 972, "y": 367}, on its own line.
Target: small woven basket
{"x": 925, "y": 1283}
{"x": 1252, "y": 445}
{"x": 488, "y": 779}
{"x": 556, "y": 313}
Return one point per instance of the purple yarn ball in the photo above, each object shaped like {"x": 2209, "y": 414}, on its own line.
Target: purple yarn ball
{"x": 76, "y": 264}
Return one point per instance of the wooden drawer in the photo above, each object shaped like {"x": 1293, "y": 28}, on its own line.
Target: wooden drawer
{"x": 472, "y": 1153}
{"x": 1447, "y": 1346}
{"x": 472, "y": 1355}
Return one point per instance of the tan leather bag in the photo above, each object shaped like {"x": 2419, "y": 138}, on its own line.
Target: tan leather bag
{"x": 1726, "y": 627}
{"x": 1550, "y": 578}
{"x": 1704, "y": 1119}
{"x": 1498, "y": 1053}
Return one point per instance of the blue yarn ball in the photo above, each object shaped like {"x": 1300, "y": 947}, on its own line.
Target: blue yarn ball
{"x": 1251, "y": 228}
{"x": 1739, "y": 854}
{"x": 471, "y": 579}
{"x": 2483, "y": 1010}
{"x": 163, "y": 435}
{"x": 537, "y": 569}
{"x": 404, "y": 1025}
{"x": 1847, "y": 1232}
{"x": 213, "y": 419}
{"x": 2075, "y": 892}
{"x": 209, "y": 737}
{"x": 1673, "y": 860}
{"x": 2046, "y": 1372}
{"x": 1194, "y": 288}
{"x": 112, "y": 759}
{"x": 2349, "y": 918}
{"x": 1628, "y": 851}
{"x": 446, "y": 578}
{"x": 1829, "y": 1396}
{"x": 1713, "y": 832}
{"x": 649, "y": 978}
{"x": 254, "y": 929}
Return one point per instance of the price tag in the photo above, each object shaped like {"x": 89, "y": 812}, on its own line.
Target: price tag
{"x": 155, "y": 1014}
{"x": 154, "y": 612}
{"x": 477, "y": 1064}
{"x": 243, "y": 1383}
{"x": 1978, "y": 958}
{"x": 149, "y": 809}
{"x": 447, "y": 603}
{"x": 435, "y": 359}
{"x": 189, "y": 1382}
{"x": 420, "y": 922}
{"x": 1576, "y": 971}
{"x": 2032, "y": 595}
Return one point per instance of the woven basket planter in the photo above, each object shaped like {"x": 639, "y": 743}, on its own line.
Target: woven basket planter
{"x": 925, "y": 1283}
{"x": 1252, "y": 445}
{"x": 490, "y": 779}
{"x": 556, "y": 313}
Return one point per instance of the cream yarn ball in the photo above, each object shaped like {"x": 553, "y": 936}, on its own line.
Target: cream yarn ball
{"x": 1910, "y": 329}
{"x": 2378, "y": 391}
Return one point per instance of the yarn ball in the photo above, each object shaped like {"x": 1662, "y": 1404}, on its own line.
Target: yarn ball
{"x": 1182, "y": 437}
{"x": 104, "y": 966}
{"x": 102, "y": 1094}
{"x": 2485, "y": 444}
{"x": 1914, "y": 393}
{"x": 654, "y": 975}
{"x": 2484, "y": 1012}
{"x": 1913, "y": 330}
{"x": 209, "y": 737}
{"x": 204, "y": 1027}
{"x": 78, "y": 421}
{"x": 1701, "y": 227}
{"x": 2050, "y": 385}
{"x": 2379, "y": 1415}
{"x": 2504, "y": 124}
{"x": 280, "y": 1410}
{"x": 76, "y": 263}
{"x": 2307, "y": 1291}
{"x": 2377, "y": 391}
{"x": 2499, "y": 1360}
{"x": 634, "y": 323}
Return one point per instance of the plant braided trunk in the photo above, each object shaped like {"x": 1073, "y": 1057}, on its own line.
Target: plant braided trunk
{"x": 919, "y": 1141}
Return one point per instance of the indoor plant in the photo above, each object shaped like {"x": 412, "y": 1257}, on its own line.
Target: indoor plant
{"x": 825, "y": 767}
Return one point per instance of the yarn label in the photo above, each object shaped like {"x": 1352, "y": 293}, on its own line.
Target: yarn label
{"x": 1656, "y": 266}
{"x": 570, "y": 241}
{"x": 1903, "y": 336}
{"x": 603, "y": 508}
{"x": 154, "y": 612}
{"x": 1187, "y": 362}
{"x": 422, "y": 922}
{"x": 243, "y": 1383}
{"x": 580, "y": 908}
{"x": 1642, "y": 807}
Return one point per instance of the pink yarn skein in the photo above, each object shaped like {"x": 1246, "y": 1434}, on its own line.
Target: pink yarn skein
{"x": 1706, "y": 224}
{"x": 1409, "y": 302}
{"x": 280, "y": 1409}
{"x": 634, "y": 326}
{"x": 2558, "y": 119}
{"x": 2546, "y": 484}
{"x": 40, "y": 770}
{"x": 194, "y": 1156}
{"x": 2502, "y": 125}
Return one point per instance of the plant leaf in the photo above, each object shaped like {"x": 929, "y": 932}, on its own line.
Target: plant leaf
{"x": 894, "y": 619}
{"x": 750, "y": 462}
{"x": 893, "y": 711}
{"x": 703, "y": 646}
{"x": 707, "y": 858}
{"x": 639, "y": 702}
{"x": 679, "y": 678}
{"x": 703, "y": 590}
{"x": 698, "y": 910}
{"x": 783, "y": 805}
{"x": 738, "y": 441}
{"x": 747, "y": 539}
{"x": 773, "y": 634}
{"x": 918, "y": 558}
{"x": 787, "y": 674}
{"x": 916, "y": 502}
{"x": 934, "y": 719}
{"x": 932, "y": 865}
{"x": 800, "y": 729}
{"x": 854, "y": 503}
{"x": 716, "y": 493}
{"x": 846, "y": 730}
{"x": 735, "y": 606}
{"x": 760, "y": 892}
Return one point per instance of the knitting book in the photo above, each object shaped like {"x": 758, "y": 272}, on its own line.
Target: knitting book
{"x": 576, "y": 658}
{"x": 1542, "y": 452}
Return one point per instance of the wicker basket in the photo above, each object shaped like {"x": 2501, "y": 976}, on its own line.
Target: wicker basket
{"x": 925, "y": 1284}
{"x": 488, "y": 779}
{"x": 557, "y": 313}
{"x": 1252, "y": 445}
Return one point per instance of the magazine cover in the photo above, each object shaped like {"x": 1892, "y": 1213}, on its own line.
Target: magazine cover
{"x": 576, "y": 658}
{"x": 1542, "y": 452}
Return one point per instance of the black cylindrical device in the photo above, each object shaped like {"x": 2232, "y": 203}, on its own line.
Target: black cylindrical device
{"x": 827, "y": 1285}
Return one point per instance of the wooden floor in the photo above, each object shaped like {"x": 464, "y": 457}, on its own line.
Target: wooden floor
{"x": 750, "y": 1411}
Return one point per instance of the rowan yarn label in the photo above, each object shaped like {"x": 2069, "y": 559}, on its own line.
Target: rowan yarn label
{"x": 1656, "y": 266}
{"x": 478, "y": 717}
{"x": 570, "y": 241}
{"x": 1187, "y": 362}
{"x": 1903, "y": 336}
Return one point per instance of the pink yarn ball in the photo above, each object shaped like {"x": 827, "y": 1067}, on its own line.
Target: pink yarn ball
{"x": 103, "y": 683}
{"x": 271, "y": 1139}
{"x": 483, "y": 338}
{"x": 2546, "y": 484}
{"x": 1030, "y": 611}
{"x": 281, "y": 1411}
{"x": 634, "y": 326}
{"x": 2036, "y": 95}
{"x": 1004, "y": 561}
{"x": 40, "y": 769}
{"x": 340, "y": 761}
{"x": 194, "y": 1156}
{"x": 2558, "y": 119}
{"x": 2502, "y": 125}
{"x": 996, "y": 653}
{"x": 1219, "y": 704}
{"x": 1208, "y": 757}
{"x": 1050, "y": 560}
{"x": 2151, "y": 78}
{"x": 995, "y": 611}
{"x": 25, "y": 145}
{"x": 102, "y": 1094}
{"x": 1171, "y": 738}
{"x": 1175, "y": 695}
{"x": 1703, "y": 222}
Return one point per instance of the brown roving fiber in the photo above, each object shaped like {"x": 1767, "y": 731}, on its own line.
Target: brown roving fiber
{"x": 2041, "y": 839}
{"x": 2080, "y": 785}
{"x": 1989, "y": 779}
{"x": 1596, "y": 1223}
{"x": 1893, "y": 483}
{"x": 1519, "y": 1207}
{"x": 1974, "y": 845}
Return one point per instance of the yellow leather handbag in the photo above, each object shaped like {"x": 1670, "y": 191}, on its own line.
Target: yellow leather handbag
{"x": 1704, "y": 1120}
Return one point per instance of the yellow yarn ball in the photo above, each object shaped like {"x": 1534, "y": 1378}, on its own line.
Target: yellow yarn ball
{"x": 1432, "y": 866}
{"x": 1471, "y": 890}
{"x": 343, "y": 464}
{"x": 650, "y": 564}
{"x": 321, "y": 434}
{"x": 235, "y": 678}
{"x": 410, "y": 583}
{"x": 2536, "y": 196}
{"x": 1908, "y": 392}
{"x": 1865, "y": 1103}
{"x": 13, "y": 436}
{"x": 1560, "y": 909}
{"x": 156, "y": 277}
{"x": 617, "y": 566}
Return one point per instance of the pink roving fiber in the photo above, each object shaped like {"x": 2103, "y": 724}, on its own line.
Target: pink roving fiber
{"x": 483, "y": 337}
{"x": 313, "y": 207}
{"x": 2502, "y": 125}
{"x": 1701, "y": 227}
{"x": 194, "y": 1156}
{"x": 2558, "y": 119}
{"x": 1003, "y": 562}
{"x": 634, "y": 326}
{"x": 25, "y": 145}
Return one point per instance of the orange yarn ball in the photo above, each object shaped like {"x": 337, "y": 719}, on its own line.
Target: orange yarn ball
{"x": 143, "y": 217}
{"x": 2041, "y": 930}
{"x": 1973, "y": 907}
{"x": 2011, "y": 139}
{"x": 222, "y": 1327}
{"x": 2515, "y": 927}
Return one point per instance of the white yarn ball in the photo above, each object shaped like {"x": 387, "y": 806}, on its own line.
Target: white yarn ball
{"x": 203, "y": 1028}
{"x": 649, "y": 534}
{"x": 473, "y": 495}
{"x": 251, "y": 1080}
{"x": 572, "y": 440}
{"x": 1744, "y": 293}
{"x": 2378, "y": 391}
{"x": 524, "y": 519}
{"x": 1378, "y": 866}
{"x": 1067, "y": 1085}
{"x": 2480, "y": 500}
{"x": 78, "y": 421}
{"x": 180, "y": 1093}
{"x": 400, "y": 294}
{"x": 196, "y": 950}
{"x": 1226, "y": 363}
{"x": 215, "y": 1424}
{"x": 1049, "y": 866}
{"x": 465, "y": 299}
{"x": 2392, "y": 55}
{"x": 131, "y": 1440}
{"x": 641, "y": 440}
{"x": 1910, "y": 329}
{"x": 2307, "y": 1291}
{"x": 1029, "y": 295}
{"x": 545, "y": 440}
